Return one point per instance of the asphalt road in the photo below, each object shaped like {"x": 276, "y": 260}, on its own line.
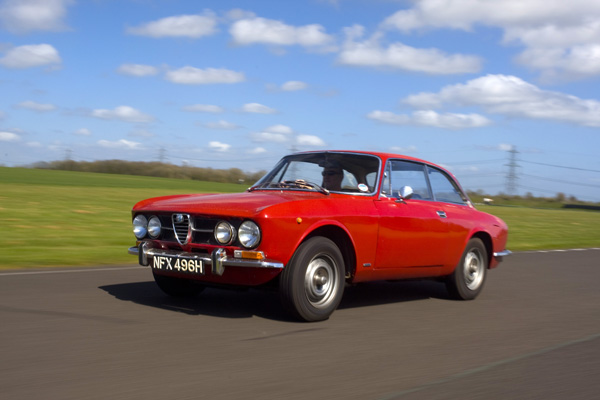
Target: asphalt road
{"x": 109, "y": 333}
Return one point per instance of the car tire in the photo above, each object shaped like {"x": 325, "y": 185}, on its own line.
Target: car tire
{"x": 468, "y": 278}
{"x": 177, "y": 287}
{"x": 312, "y": 284}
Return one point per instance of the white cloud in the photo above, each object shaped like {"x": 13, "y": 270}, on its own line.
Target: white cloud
{"x": 274, "y": 134}
{"x": 218, "y": 146}
{"x": 292, "y": 86}
{"x": 83, "y": 132}
{"x": 37, "y": 107}
{"x": 192, "y": 26}
{"x": 465, "y": 14}
{"x": 257, "y": 150}
{"x": 511, "y": 96}
{"x": 137, "y": 70}
{"x": 560, "y": 37}
{"x": 27, "y": 56}
{"x": 505, "y": 147}
{"x": 431, "y": 118}
{"x": 9, "y": 137}
{"x": 222, "y": 125}
{"x": 204, "y": 108}
{"x": 196, "y": 76}
{"x": 119, "y": 144}
{"x": 238, "y": 13}
{"x": 282, "y": 129}
{"x": 258, "y": 109}
{"x": 370, "y": 53}
{"x": 309, "y": 141}
{"x": 23, "y": 16}
{"x": 122, "y": 113}
{"x": 268, "y": 31}
{"x": 564, "y": 63}
{"x": 269, "y": 137}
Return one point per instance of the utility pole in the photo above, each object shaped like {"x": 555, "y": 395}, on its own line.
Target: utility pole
{"x": 161, "y": 155}
{"x": 511, "y": 176}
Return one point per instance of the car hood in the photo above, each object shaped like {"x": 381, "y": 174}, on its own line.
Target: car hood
{"x": 245, "y": 204}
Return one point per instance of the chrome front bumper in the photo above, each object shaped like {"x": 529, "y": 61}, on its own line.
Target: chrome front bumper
{"x": 218, "y": 260}
{"x": 501, "y": 254}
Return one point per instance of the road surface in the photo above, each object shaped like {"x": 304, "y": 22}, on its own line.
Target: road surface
{"x": 109, "y": 333}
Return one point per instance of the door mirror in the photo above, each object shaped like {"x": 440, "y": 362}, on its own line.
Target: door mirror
{"x": 405, "y": 192}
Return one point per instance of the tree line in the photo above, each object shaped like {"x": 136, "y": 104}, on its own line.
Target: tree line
{"x": 156, "y": 169}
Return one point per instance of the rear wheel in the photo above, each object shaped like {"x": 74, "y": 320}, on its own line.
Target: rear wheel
{"x": 312, "y": 284}
{"x": 466, "y": 282}
{"x": 177, "y": 287}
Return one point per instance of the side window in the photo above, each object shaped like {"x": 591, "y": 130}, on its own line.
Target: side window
{"x": 405, "y": 173}
{"x": 444, "y": 189}
{"x": 370, "y": 178}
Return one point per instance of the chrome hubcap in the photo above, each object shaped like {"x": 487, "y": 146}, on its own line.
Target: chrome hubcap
{"x": 474, "y": 269}
{"x": 320, "y": 281}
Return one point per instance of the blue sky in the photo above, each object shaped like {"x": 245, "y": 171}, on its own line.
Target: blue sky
{"x": 240, "y": 84}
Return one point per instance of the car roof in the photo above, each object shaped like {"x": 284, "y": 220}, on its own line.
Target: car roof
{"x": 382, "y": 155}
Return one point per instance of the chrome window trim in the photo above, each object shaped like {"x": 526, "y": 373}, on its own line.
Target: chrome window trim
{"x": 426, "y": 166}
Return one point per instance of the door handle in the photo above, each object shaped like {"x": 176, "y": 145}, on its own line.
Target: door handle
{"x": 441, "y": 214}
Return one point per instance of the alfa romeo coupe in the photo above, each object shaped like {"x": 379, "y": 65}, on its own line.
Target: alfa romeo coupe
{"x": 318, "y": 221}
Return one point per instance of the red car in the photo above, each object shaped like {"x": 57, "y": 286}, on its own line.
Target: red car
{"x": 317, "y": 221}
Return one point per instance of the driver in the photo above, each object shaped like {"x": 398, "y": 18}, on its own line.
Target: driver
{"x": 333, "y": 174}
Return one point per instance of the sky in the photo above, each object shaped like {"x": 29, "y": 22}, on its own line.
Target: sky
{"x": 487, "y": 89}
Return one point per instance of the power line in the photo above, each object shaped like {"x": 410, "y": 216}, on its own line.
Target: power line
{"x": 560, "y": 166}
{"x": 474, "y": 162}
{"x": 561, "y": 181}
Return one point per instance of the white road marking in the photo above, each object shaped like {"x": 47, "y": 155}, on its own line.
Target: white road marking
{"x": 556, "y": 250}
{"x": 79, "y": 269}
{"x": 487, "y": 367}
{"x": 66, "y": 271}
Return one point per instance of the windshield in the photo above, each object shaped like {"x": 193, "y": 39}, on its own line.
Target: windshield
{"x": 325, "y": 172}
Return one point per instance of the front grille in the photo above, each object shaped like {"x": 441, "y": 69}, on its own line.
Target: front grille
{"x": 181, "y": 227}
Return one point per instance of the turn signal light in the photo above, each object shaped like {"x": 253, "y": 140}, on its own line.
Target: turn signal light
{"x": 253, "y": 255}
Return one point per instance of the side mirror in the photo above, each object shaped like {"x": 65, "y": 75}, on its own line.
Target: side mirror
{"x": 405, "y": 193}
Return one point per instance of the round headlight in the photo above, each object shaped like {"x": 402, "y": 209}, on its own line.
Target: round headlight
{"x": 154, "y": 227}
{"x": 249, "y": 234}
{"x": 140, "y": 226}
{"x": 224, "y": 232}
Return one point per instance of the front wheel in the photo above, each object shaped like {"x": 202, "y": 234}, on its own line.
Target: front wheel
{"x": 312, "y": 283}
{"x": 467, "y": 280}
{"x": 176, "y": 287}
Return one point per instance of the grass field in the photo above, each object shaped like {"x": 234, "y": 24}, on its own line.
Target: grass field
{"x": 50, "y": 218}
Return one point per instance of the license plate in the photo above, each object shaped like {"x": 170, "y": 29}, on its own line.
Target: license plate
{"x": 165, "y": 263}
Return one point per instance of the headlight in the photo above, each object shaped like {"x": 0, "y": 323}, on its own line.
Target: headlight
{"x": 224, "y": 232}
{"x": 249, "y": 234}
{"x": 140, "y": 226}
{"x": 154, "y": 227}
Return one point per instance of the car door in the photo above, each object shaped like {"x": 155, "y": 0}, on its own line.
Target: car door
{"x": 448, "y": 194}
{"x": 412, "y": 232}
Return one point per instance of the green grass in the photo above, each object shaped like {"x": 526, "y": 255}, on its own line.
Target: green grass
{"x": 74, "y": 218}
{"x": 50, "y": 218}
{"x": 537, "y": 229}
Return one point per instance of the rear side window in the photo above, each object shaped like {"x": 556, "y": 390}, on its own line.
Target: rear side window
{"x": 444, "y": 189}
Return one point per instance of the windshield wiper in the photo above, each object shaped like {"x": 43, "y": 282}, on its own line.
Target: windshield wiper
{"x": 303, "y": 184}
